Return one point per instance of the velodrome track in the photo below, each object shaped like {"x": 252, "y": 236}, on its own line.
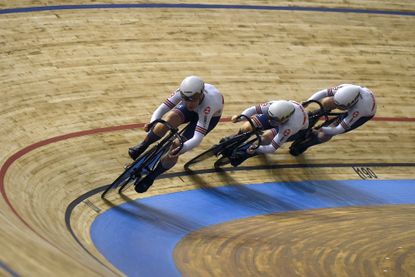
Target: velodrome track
{"x": 78, "y": 81}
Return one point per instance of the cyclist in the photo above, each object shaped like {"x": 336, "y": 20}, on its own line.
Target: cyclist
{"x": 282, "y": 121}
{"x": 194, "y": 102}
{"x": 358, "y": 103}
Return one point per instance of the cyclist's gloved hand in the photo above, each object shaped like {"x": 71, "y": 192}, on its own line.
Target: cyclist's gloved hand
{"x": 305, "y": 103}
{"x": 251, "y": 149}
{"x": 235, "y": 118}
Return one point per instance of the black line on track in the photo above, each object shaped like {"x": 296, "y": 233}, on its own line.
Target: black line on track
{"x": 204, "y": 6}
{"x": 68, "y": 213}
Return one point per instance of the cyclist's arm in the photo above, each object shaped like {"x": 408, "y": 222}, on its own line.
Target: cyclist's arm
{"x": 166, "y": 106}
{"x": 319, "y": 95}
{"x": 159, "y": 112}
{"x": 325, "y": 93}
{"x": 332, "y": 131}
{"x": 201, "y": 130}
{"x": 249, "y": 111}
{"x": 267, "y": 149}
{"x": 279, "y": 139}
{"x": 193, "y": 142}
{"x": 258, "y": 109}
{"x": 276, "y": 143}
{"x": 352, "y": 116}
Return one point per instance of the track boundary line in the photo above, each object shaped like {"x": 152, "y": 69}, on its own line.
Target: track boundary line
{"x": 204, "y": 6}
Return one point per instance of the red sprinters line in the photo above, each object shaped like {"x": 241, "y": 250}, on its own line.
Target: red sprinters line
{"x": 394, "y": 119}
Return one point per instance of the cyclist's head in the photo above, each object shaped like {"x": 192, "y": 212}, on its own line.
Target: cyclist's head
{"x": 280, "y": 111}
{"x": 191, "y": 88}
{"x": 347, "y": 96}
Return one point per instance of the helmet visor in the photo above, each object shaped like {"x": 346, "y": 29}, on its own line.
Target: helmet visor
{"x": 190, "y": 98}
{"x": 276, "y": 120}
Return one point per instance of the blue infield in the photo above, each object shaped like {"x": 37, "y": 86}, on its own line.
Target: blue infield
{"x": 139, "y": 237}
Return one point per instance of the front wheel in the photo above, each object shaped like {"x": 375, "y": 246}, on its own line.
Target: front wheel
{"x": 124, "y": 185}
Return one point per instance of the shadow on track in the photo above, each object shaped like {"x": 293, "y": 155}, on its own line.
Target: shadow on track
{"x": 158, "y": 218}
{"x": 329, "y": 191}
{"x": 241, "y": 195}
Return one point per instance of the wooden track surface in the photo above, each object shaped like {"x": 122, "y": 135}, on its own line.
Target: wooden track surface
{"x": 291, "y": 245}
{"x": 63, "y": 72}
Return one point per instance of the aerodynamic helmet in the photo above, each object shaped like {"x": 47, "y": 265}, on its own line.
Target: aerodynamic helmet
{"x": 347, "y": 96}
{"x": 280, "y": 111}
{"x": 191, "y": 86}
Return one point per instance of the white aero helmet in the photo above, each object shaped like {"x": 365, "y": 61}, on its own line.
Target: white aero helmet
{"x": 191, "y": 86}
{"x": 347, "y": 96}
{"x": 280, "y": 111}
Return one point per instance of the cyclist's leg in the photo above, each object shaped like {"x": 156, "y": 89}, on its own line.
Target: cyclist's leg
{"x": 266, "y": 139}
{"x": 212, "y": 124}
{"x": 240, "y": 154}
{"x": 315, "y": 137}
{"x": 191, "y": 118}
{"x": 173, "y": 117}
{"x": 312, "y": 139}
{"x": 168, "y": 160}
{"x": 359, "y": 122}
{"x": 246, "y": 127}
{"x": 260, "y": 121}
{"x": 324, "y": 138}
{"x": 267, "y": 136}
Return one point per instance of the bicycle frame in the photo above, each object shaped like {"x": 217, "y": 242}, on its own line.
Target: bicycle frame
{"x": 148, "y": 160}
{"x": 241, "y": 139}
{"x": 229, "y": 144}
{"x": 313, "y": 118}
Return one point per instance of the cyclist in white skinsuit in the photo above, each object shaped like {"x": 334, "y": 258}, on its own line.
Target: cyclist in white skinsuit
{"x": 194, "y": 102}
{"x": 358, "y": 103}
{"x": 282, "y": 120}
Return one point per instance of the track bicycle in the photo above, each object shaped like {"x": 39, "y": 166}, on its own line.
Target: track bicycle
{"x": 147, "y": 161}
{"x": 299, "y": 144}
{"x": 228, "y": 146}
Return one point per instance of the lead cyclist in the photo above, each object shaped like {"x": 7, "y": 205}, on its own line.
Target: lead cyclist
{"x": 195, "y": 102}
